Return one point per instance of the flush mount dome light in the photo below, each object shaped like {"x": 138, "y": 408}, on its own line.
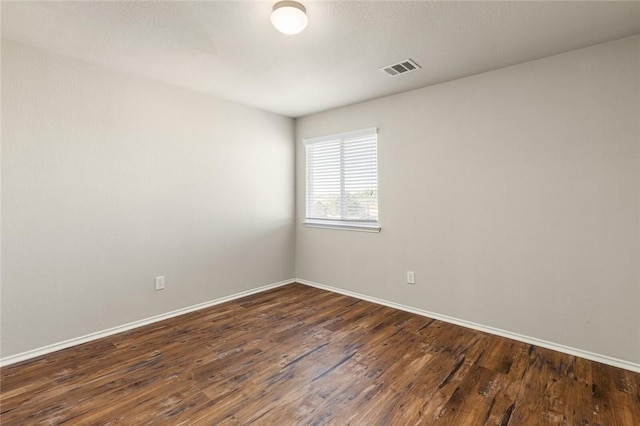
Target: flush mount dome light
{"x": 289, "y": 17}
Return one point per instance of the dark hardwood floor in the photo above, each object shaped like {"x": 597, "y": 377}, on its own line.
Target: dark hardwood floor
{"x": 299, "y": 355}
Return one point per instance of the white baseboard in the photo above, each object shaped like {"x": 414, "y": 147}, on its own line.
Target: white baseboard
{"x": 125, "y": 327}
{"x": 627, "y": 365}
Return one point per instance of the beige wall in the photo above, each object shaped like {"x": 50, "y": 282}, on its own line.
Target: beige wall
{"x": 514, "y": 195}
{"x": 109, "y": 180}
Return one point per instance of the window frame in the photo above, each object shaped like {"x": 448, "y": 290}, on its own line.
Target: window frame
{"x": 342, "y": 224}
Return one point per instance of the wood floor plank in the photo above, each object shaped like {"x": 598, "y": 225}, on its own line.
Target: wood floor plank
{"x": 298, "y": 355}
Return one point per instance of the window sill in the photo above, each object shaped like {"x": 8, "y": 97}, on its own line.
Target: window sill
{"x": 344, "y": 226}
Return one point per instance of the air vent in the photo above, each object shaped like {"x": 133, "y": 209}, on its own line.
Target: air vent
{"x": 401, "y": 67}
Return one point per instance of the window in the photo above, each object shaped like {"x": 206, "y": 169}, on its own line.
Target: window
{"x": 342, "y": 181}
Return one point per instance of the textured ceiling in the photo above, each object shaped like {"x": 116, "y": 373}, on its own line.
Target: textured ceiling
{"x": 230, "y": 49}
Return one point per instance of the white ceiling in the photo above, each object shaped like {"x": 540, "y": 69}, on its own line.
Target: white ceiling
{"x": 230, "y": 49}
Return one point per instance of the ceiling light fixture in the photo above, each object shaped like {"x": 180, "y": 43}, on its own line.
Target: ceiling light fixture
{"x": 289, "y": 17}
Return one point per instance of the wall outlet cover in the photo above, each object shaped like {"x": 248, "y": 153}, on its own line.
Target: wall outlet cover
{"x": 411, "y": 277}
{"x": 160, "y": 283}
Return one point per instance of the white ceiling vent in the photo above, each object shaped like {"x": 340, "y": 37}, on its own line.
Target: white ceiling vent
{"x": 401, "y": 67}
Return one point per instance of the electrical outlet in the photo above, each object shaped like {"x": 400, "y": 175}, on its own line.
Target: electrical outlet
{"x": 160, "y": 283}
{"x": 411, "y": 277}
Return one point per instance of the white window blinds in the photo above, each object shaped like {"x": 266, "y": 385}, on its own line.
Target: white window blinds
{"x": 342, "y": 180}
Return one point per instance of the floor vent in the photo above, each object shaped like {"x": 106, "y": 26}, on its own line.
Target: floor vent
{"x": 401, "y": 67}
